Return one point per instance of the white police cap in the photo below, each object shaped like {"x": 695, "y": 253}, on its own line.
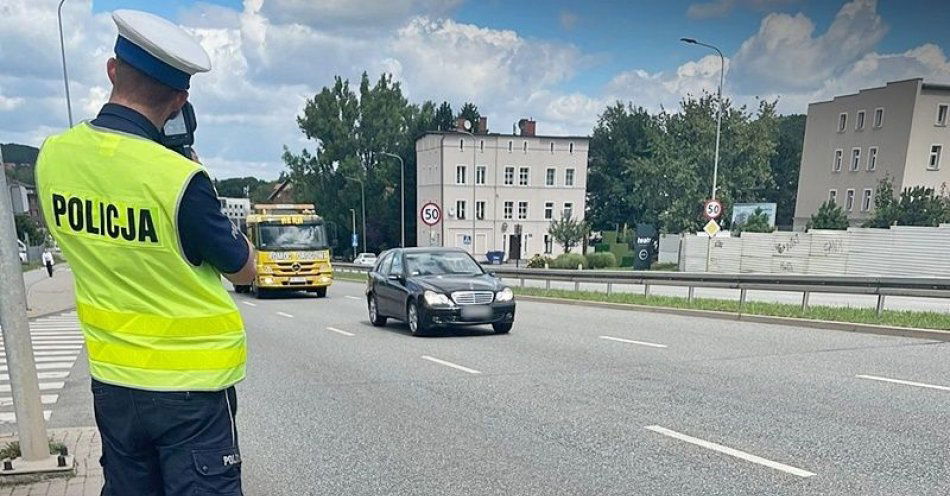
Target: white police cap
{"x": 158, "y": 48}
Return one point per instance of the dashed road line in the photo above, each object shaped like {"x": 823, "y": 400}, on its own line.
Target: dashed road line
{"x": 901, "y": 381}
{"x": 742, "y": 455}
{"x": 249, "y": 303}
{"x": 353, "y": 297}
{"x": 450, "y": 364}
{"x": 340, "y": 331}
{"x": 284, "y": 314}
{"x": 630, "y": 341}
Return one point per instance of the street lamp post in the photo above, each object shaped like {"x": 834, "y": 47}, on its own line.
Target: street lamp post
{"x": 722, "y": 72}
{"x": 402, "y": 197}
{"x": 353, "y": 239}
{"x": 474, "y": 181}
{"x": 363, "y": 203}
{"x": 62, "y": 50}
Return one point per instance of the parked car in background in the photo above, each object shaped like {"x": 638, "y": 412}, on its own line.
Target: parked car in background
{"x": 365, "y": 259}
{"x": 437, "y": 287}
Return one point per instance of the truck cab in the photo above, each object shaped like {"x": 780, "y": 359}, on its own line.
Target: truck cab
{"x": 293, "y": 249}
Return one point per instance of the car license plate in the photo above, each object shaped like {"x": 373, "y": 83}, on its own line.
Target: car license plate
{"x": 298, "y": 280}
{"x": 476, "y": 312}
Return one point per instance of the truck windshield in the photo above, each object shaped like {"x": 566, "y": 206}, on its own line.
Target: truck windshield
{"x": 282, "y": 237}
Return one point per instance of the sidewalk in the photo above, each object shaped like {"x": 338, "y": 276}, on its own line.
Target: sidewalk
{"x": 45, "y": 295}
{"x": 85, "y": 446}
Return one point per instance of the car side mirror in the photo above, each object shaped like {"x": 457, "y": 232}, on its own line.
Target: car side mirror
{"x": 395, "y": 277}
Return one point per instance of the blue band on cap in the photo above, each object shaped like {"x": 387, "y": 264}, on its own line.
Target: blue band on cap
{"x": 150, "y": 65}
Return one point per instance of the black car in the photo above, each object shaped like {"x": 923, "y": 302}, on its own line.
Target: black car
{"x": 437, "y": 287}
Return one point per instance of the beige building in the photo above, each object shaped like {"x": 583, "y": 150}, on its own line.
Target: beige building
{"x": 508, "y": 187}
{"x": 852, "y": 142}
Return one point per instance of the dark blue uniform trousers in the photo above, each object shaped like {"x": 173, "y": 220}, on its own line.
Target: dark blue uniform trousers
{"x": 167, "y": 443}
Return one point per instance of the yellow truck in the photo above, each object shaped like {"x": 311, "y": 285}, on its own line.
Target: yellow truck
{"x": 293, "y": 250}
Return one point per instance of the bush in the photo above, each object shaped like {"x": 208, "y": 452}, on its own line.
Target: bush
{"x": 540, "y": 262}
{"x": 628, "y": 260}
{"x": 601, "y": 247}
{"x": 569, "y": 261}
{"x": 601, "y": 260}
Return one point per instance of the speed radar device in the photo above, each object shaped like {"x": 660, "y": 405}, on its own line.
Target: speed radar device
{"x": 293, "y": 249}
{"x": 179, "y": 131}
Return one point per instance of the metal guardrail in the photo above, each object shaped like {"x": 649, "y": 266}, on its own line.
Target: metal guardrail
{"x": 883, "y": 286}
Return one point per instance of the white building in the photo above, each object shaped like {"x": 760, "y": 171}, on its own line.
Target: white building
{"x": 506, "y": 188}
{"x": 236, "y": 209}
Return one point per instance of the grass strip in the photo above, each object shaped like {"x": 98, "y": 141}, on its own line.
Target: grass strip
{"x": 894, "y": 318}
{"x": 350, "y": 276}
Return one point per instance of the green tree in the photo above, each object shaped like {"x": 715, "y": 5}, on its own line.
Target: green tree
{"x": 568, "y": 232}
{"x": 444, "y": 118}
{"x": 785, "y": 166}
{"x": 470, "y": 113}
{"x": 235, "y": 187}
{"x": 886, "y": 209}
{"x": 916, "y": 206}
{"x": 27, "y": 230}
{"x": 828, "y": 216}
{"x": 758, "y": 222}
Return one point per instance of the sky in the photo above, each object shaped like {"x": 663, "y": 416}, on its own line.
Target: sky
{"x": 557, "y": 61}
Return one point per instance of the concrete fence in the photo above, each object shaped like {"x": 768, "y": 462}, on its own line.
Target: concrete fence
{"x": 905, "y": 251}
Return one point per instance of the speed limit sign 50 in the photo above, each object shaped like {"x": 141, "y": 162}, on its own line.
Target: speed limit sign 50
{"x": 712, "y": 209}
{"x": 431, "y": 214}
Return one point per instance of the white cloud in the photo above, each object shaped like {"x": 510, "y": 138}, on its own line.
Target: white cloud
{"x": 334, "y": 14}
{"x": 655, "y": 90}
{"x": 719, "y": 8}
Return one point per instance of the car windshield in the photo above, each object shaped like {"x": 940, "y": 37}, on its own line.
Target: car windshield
{"x": 282, "y": 237}
{"x": 439, "y": 263}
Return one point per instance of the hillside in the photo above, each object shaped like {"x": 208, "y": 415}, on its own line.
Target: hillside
{"x": 19, "y": 154}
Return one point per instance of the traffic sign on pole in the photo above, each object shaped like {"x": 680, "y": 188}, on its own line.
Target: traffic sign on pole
{"x": 431, "y": 214}
{"x": 711, "y": 228}
{"x": 712, "y": 209}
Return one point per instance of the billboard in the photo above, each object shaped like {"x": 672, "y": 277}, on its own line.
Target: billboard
{"x": 742, "y": 211}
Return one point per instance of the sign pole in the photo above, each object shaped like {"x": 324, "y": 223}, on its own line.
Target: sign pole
{"x": 17, "y": 341}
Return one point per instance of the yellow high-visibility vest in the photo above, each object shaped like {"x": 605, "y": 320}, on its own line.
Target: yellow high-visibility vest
{"x": 151, "y": 320}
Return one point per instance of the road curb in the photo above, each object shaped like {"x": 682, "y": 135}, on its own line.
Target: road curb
{"x": 910, "y": 332}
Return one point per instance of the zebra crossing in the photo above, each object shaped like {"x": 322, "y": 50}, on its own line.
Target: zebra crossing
{"x": 57, "y": 342}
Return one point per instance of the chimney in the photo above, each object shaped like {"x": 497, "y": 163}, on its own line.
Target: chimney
{"x": 483, "y": 125}
{"x": 528, "y": 127}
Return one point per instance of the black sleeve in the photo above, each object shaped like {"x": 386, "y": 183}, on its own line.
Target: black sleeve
{"x": 206, "y": 234}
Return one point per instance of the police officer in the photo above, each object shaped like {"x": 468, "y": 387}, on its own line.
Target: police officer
{"x": 142, "y": 229}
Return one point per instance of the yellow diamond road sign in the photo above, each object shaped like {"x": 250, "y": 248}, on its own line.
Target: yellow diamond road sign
{"x": 711, "y": 228}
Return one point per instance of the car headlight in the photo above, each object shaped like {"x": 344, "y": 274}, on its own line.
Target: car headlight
{"x": 435, "y": 299}
{"x": 505, "y": 295}
{"x": 266, "y": 269}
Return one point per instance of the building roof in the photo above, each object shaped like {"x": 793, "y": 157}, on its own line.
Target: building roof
{"x": 503, "y": 135}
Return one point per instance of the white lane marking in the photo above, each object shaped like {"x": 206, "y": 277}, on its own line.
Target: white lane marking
{"x": 41, "y": 375}
{"x": 44, "y": 386}
{"x": 450, "y": 364}
{"x": 742, "y": 455}
{"x": 340, "y": 331}
{"x": 353, "y": 297}
{"x": 47, "y": 366}
{"x": 282, "y": 314}
{"x": 641, "y": 343}
{"x": 10, "y": 417}
{"x": 906, "y": 383}
{"x": 46, "y": 399}
{"x": 249, "y": 303}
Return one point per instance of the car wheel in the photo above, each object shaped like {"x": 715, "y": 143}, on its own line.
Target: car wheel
{"x": 321, "y": 292}
{"x": 259, "y": 293}
{"x": 502, "y": 327}
{"x": 417, "y": 325}
{"x": 374, "y": 317}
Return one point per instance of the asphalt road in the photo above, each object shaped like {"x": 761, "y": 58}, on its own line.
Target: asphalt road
{"x": 578, "y": 401}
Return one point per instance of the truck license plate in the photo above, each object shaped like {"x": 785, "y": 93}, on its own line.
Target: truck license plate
{"x": 298, "y": 280}
{"x": 476, "y": 312}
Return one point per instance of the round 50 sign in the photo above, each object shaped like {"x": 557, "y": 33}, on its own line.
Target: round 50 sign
{"x": 431, "y": 214}
{"x": 712, "y": 209}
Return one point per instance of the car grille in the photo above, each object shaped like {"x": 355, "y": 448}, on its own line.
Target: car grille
{"x": 472, "y": 297}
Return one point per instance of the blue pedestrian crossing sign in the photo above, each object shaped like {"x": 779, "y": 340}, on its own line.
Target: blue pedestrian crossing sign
{"x": 466, "y": 240}
{"x": 355, "y": 243}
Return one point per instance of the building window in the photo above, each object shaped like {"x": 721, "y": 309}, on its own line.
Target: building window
{"x": 842, "y": 122}
{"x": 569, "y": 177}
{"x": 548, "y": 210}
{"x": 548, "y": 244}
{"x": 461, "y": 144}
{"x": 509, "y": 175}
{"x": 552, "y": 147}
{"x": 480, "y": 172}
{"x": 460, "y": 209}
{"x": 836, "y": 166}
{"x": 509, "y": 209}
{"x": 460, "y": 172}
{"x": 568, "y": 210}
{"x": 855, "y": 159}
{"x": 849, "y": 200}
{"x": 942, "y": 111}
{"x": 859, "y": 120}
{"x": 833, "y": 196}
{"x": 481, "y": 146}
{"x": 523, "y": 174}
{"x": 571, "y": 148}
{"x": 549, "y": 176}
{"x": 879, "y": 117}
{"x": 872, "y": 158}
{"x": 522, "y": 210}
{"x": 525, "y": 146}
{"x": 480, "y": 210}
{"x": 934, "y": 163}
{"x": 866, "y": 200}
{"x": 510, "y": 144}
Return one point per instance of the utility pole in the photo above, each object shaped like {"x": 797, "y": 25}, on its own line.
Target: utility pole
{"x": 363, "y": 202}
{"x": 402, "y": 197}
{"x": 474, "y": 177}
{"x": 353, "y": 241}
{"x": 31, "y": 426}
{"x": 62, "y": 51}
